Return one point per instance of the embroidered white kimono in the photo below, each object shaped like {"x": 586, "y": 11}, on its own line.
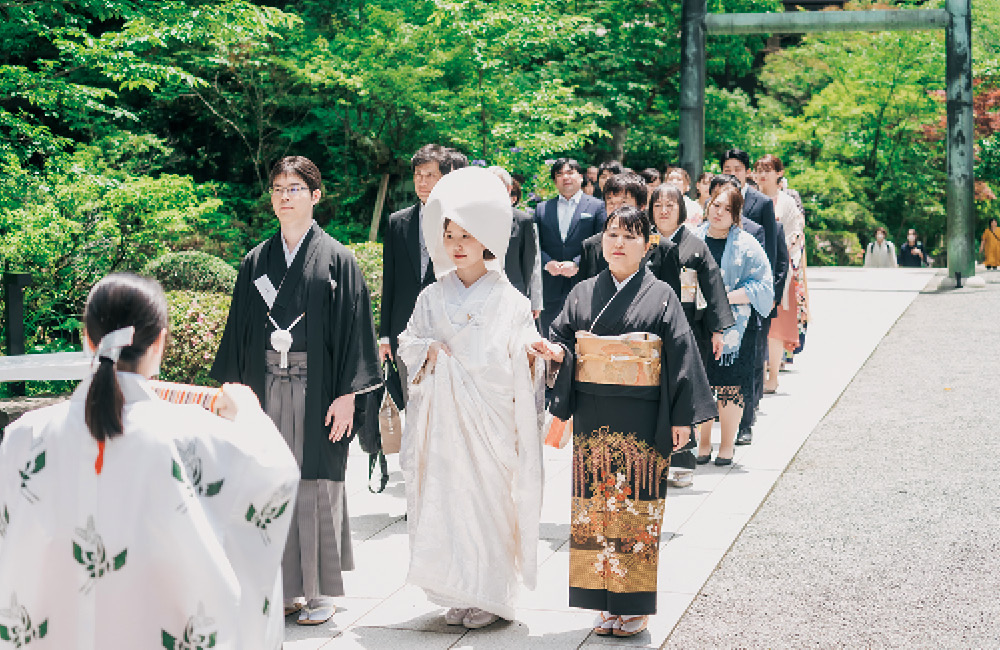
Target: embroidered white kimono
{"x": 175, "y": 544}
{"x": 472, "y": 448}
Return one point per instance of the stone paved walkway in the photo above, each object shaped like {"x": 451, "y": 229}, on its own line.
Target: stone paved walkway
{"x": 852, "y": 310}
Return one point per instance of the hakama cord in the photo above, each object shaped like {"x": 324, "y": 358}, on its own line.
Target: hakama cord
{"x": 619, "y": 485}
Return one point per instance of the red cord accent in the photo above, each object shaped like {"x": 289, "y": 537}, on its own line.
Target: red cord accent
{"x": 99, "y": 463}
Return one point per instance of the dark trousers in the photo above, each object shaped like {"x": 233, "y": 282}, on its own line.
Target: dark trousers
{"x": 752, "y": 401}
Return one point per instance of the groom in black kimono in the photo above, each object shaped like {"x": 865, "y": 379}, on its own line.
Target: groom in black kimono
{"x": 300, "y": 333}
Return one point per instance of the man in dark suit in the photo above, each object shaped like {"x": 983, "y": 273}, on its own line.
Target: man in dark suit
{"x": 406, "y": 264}
{"x": 760, "y": 209}
{"x": 563, "y": 223}
{"x": 627, "y": 189}
{"x": 521, "y": 263}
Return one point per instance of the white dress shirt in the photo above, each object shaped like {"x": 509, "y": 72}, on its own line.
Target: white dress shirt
{"x": 565, "y": 208}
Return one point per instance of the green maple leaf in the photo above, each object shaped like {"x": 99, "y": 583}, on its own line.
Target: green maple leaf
{"x": 5, "y": 633}
{"x": 120, "y": 559}
{"x": 39, "y": 463}
{"x": 251, "y": 512}
{"x": 267, "y": 605}
{"x": 168, "y": 641}
{"x": 214, "y": 488}
{"x": 176, "y": 471}
{"x": 43, "y": 629}
{"x": 78, "y": 553}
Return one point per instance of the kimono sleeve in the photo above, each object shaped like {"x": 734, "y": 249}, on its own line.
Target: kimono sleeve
{"x": 418, "y": 335}
{"x": 229, "y": 362}
{"x": 265, "y": 479}
{"x": 686, "y": 399}
{"x": 563, "y": 332}
{"x": 359, "y": 369}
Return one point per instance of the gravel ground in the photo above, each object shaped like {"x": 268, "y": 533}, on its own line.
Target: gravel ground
{"x": 885, "y": 529}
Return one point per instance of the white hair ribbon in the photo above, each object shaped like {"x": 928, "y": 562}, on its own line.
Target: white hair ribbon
{"x": 112, "y": 343}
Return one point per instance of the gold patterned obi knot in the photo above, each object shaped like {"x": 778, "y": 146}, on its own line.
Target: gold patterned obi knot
{"x": 631, "y": 359}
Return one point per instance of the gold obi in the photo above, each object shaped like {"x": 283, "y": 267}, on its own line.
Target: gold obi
{"x": 631, "y": 359}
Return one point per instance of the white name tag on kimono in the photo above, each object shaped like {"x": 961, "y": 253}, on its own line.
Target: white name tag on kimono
{"x": 267, "y": 290}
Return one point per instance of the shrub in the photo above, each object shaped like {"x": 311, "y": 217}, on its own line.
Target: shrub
{"x": 369, "y": 256}
{"x": 197, "y": 320}
{"x": 192, "y": 271}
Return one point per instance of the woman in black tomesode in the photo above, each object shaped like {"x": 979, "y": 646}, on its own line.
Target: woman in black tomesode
{"x": 630, "y": 410}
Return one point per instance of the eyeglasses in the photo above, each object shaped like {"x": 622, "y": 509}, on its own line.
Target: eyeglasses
{"x": 292, "y": 190}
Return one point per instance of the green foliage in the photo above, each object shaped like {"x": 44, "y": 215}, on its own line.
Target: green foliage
{"x": 846, "y": 112}
{"x": 834, "y": 248}
{"x": 369, "y": 256}
{"x": 192, "y": 271}
{"x": 197, "y": 320}
{"x": 91, "y": 213}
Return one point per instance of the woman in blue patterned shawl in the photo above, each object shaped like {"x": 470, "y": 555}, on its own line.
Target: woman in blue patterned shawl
{"x": 749, "y": 287}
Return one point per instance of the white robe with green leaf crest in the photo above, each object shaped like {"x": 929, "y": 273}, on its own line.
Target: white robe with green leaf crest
{"x": 175, "y": 544}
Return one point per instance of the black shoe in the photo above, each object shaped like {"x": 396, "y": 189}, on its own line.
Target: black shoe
{"x": 744, "y": 437}
{"x": 703, "y": 460}
{"x": 721, "y": 462}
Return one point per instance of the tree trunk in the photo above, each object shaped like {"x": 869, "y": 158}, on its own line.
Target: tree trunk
{"x": 618, "y": 135}
{"x": 379, "y": 203}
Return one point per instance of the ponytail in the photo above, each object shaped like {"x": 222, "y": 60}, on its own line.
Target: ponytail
{"x": 105, "y": 403}
{"x": 124, "y": 315}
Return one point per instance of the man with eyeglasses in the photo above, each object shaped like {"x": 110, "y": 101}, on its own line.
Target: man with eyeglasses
{"x": 406, "y": 265}
{"x": 300, "y": 333}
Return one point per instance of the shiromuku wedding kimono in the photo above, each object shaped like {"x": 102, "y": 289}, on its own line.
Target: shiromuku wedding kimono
{"x": 623, "y": 403}
{"x": 172, "y": 539}
{"x": 472, "y": 447}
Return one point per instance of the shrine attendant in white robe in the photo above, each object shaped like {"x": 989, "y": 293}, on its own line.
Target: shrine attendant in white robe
{"x": 130, "y": 522}
{"x": 471, "y": 451}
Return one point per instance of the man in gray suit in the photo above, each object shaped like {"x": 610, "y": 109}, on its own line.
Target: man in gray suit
{"x": 563, "y": 223}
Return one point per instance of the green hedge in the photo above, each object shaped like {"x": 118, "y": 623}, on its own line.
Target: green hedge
{"x": 197, "y": 319}
{"x": 369, "y": 256}
{"x": 192, "y": 271}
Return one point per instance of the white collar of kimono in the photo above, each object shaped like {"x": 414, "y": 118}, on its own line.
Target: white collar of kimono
{"x": 477, "y": 201}
{"x": 135, "y": 388}
{"x": 290, "y": 254}
{"x": 619, "y": 285}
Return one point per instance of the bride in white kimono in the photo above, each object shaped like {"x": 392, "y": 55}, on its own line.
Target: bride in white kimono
{"x": 130, "y": 522}
{"x": 472, "y": 449}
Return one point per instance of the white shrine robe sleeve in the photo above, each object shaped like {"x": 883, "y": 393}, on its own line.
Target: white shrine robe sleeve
{"x": 256, "y": 518}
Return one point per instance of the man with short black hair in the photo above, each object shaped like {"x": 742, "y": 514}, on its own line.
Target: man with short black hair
{"x": 652, "y": 178}
{"x": 606, "y": 170}
{"x": 406, "y": 265}
{"x": 563, "y": 223}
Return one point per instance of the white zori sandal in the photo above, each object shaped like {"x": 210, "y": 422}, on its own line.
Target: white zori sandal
{"x": 631, "y": 625}
{"x": 606, "y": 623}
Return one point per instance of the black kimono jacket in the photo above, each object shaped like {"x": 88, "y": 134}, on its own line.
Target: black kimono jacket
{"x": 340, "y": 343}
{"x": 644, "y": 304}
{"x": 692, "y": 252}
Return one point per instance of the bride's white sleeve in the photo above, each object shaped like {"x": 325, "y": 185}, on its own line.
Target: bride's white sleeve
{"x": 418, "y": 335}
